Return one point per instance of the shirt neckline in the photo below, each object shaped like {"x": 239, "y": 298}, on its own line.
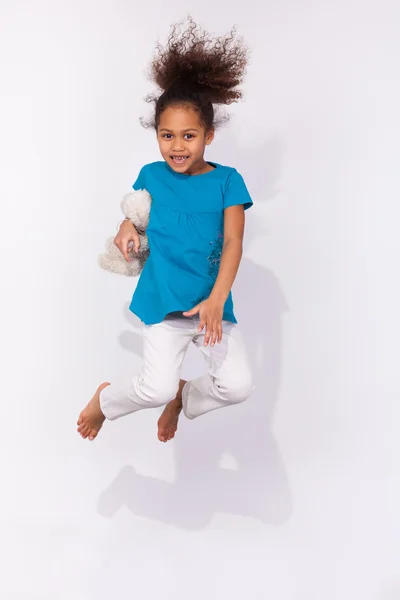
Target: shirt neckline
{"x": 185, "y": 175}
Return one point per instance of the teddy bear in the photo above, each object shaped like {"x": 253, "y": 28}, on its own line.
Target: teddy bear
{"x": 136, "y": 207}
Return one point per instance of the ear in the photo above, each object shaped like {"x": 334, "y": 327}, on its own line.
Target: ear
{"x": 210, "y": 136}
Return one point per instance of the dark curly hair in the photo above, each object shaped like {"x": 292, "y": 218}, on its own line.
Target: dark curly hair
{"x": 198, "y": 70}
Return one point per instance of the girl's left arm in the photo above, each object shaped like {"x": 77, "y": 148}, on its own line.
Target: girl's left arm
{"x": 231, "y": 253}
{"x": 211, "y": 310}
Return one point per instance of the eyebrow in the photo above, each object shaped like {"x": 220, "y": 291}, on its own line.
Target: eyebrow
{"x": 185, "y": 130}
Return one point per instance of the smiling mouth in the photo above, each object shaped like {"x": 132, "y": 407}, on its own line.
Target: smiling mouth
{"x": 179, "y": 160}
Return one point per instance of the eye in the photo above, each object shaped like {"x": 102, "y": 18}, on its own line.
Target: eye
{"x": 164, "y": 135}
{"x": 189, "y": 135}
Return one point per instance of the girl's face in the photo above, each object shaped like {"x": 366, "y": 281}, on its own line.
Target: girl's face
{"x": 182, "y": 140}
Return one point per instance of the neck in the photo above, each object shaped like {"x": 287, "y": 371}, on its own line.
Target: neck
{"x": 200, "y": 168}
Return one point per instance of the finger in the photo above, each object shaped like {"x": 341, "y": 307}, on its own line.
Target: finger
{"x": 193, "y": 311}
{"x": 219, "y": 333}
{"x": 202, "y": 319}
{"x": 134, "y": 245}
{"x": 217, "y": 330}
{"x": 125, "y": 251}
{"x": 202, "y": 324}
{"x": 214, "y": 334}
{"x": 131, "y": 248}
{"x": 136, "y": 242}
{"x": 207, "y": 335}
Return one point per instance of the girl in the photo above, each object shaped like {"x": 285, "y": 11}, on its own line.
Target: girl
{"x": 195, "y": 237}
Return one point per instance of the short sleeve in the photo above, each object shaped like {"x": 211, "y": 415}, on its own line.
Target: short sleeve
{"x": 236, "y": 191}
{"x": 140, "y": 181}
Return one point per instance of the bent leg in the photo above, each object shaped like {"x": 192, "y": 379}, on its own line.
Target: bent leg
{"x": 164, "y": 347}
{"x": 229, "y": 378}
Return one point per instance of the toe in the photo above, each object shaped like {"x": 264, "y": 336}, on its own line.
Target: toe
{"x": 85, "y": 431}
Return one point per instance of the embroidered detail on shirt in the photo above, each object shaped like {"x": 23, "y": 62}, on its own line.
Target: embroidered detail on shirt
{"x": 214, "y": 260}
{"x": 215, "y": 257}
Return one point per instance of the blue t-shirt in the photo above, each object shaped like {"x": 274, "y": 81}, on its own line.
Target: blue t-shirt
{"x": 186, "y": 234}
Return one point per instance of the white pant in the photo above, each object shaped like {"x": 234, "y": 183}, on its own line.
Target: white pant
{"x": 228, "y": 380}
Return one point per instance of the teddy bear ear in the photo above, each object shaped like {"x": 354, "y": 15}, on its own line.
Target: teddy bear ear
{"x": 113, "y": 265}
{"x": 136, "y": 207}
{"x": 126, "y": 202}
{"x": 137, "y": 199}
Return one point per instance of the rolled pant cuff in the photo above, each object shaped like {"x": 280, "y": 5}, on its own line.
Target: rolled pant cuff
{"x": 185, "y": 400}
{"x": 103, "y": 405}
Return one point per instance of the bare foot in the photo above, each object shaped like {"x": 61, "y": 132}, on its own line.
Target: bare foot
{"x": 168, "y": 422}
{"x": 91, "y": 418}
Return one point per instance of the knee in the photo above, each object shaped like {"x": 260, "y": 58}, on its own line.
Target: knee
{"x": 238, "y": 388}
{"x": 157, "y": 393}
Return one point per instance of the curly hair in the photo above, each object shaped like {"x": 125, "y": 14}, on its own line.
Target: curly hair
{"x": 196, "y": 69}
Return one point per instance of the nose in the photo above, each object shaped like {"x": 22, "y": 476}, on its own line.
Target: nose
{"x": 178, "y": 146}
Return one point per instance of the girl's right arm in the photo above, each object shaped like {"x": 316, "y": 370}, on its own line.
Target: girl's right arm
{"x": 127, "y": 237}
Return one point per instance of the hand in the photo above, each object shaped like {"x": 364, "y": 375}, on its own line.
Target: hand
{"x": 126, "y": 239}
{"x": 211, "y": 313}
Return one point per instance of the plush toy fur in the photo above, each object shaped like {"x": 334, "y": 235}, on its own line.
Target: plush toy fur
{"x": 136, "y": 207}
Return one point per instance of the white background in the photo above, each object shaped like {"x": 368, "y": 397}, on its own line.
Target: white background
{"x": 295, "y": 494}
